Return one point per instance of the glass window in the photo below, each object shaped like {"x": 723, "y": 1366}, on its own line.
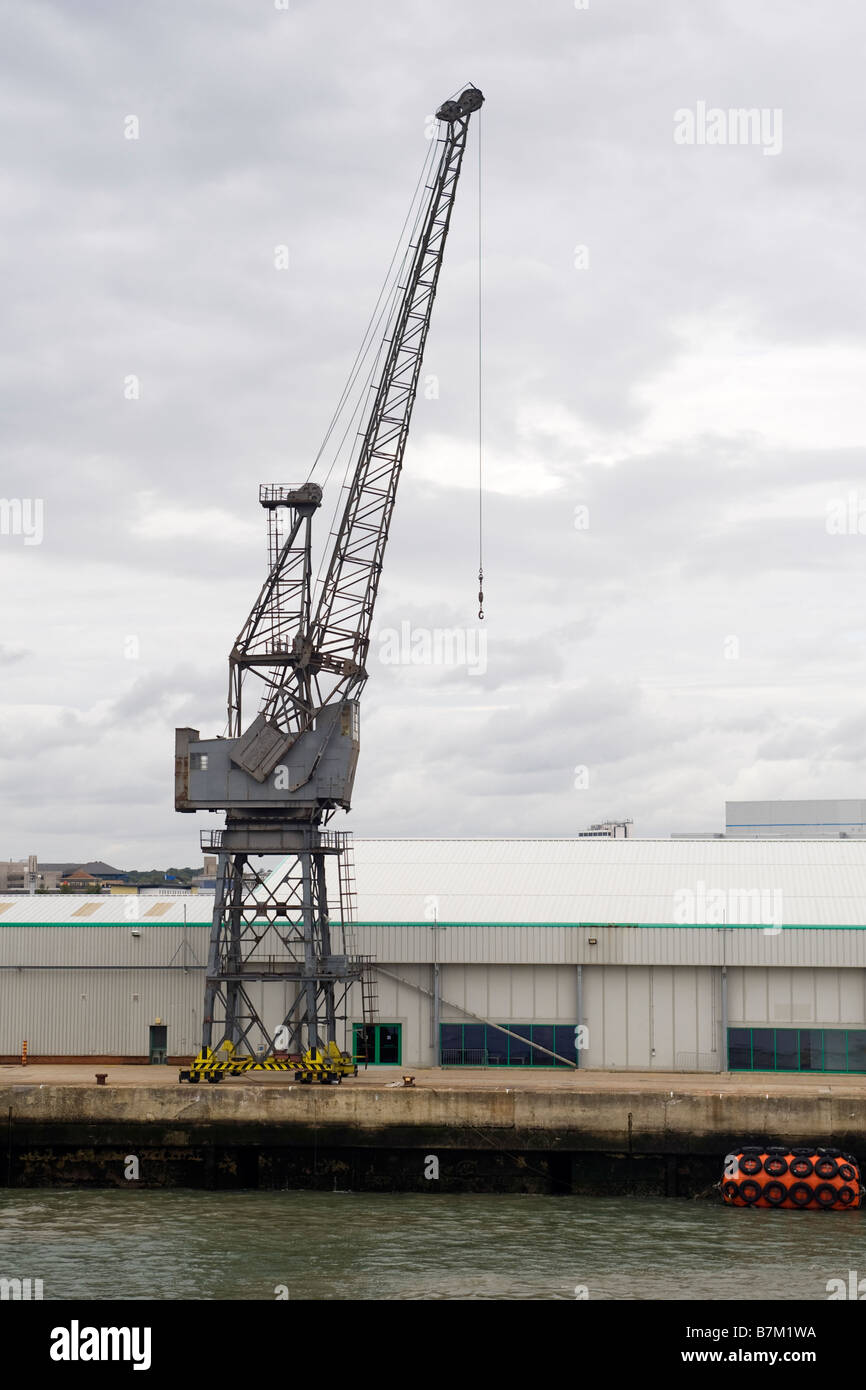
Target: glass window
{"x": 856, "y": 1050}
{"x": 763, "y": 1049}
{"x": 474, "y": 1050}
{"x": 740, "y": 1049}
{"x": 518, "y": 1046}
{"x": 811, "y": 1049}
{"x": 564, "y": 1044}
{"x": 497, "y": 1047}
{"x": 835, "y": 1051}
{"x": 450, "y": 1037}
{"x": 787, "y": 1050}
{"x": 542, "y": 1033}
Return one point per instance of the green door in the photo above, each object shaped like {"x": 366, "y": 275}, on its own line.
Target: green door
{"x": 378, "y": 1044}
{"x": 158, "y": 1045}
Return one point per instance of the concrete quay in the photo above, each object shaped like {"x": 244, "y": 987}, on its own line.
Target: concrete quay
{"x": 604, "y": 1132}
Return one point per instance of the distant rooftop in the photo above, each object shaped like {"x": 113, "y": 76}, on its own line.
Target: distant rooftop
{"x": 786, "y": 820}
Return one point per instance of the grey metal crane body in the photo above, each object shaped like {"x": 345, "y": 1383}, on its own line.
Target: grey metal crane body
{"x": 281, "y": 775}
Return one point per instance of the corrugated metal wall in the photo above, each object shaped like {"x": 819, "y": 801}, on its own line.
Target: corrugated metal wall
{"x": 652, "y": 1017}
{"x": 819, "y": 998}
{"x": 618, "y": 945}
{"x": 651, "y": 997}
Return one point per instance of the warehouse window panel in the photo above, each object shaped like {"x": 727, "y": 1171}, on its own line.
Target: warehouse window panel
{"x": 519, "y": 1049}
{"x": 856, "y": 1049}
{"x": 486, "y": 1045}
{"x": 474, "y": 1045}
{"x": 835, "y": 1050}
{"x": 797, "y": 1049}
{"x": 542, "y": 1036}
{"x": 740, "y": 1049}
{"x": 563, "y": 1042}
{"x": 811, "y": 1049}
{"x": 787, "y": 1050}
{"x": 763, "y": 1049}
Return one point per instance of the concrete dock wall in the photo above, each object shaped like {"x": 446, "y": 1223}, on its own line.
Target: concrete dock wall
{"x": 506, "y": 1139}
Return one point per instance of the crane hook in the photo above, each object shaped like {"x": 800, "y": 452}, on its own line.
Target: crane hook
{"x": 481, "y": 594}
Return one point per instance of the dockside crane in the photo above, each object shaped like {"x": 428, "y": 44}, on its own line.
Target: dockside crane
{"x": 279, "y": 968}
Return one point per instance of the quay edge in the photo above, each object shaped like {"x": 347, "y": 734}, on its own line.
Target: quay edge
{"x": 509, "y": 1138}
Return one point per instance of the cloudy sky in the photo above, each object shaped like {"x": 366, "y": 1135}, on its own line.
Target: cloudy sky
{"x": 673, "y": 366}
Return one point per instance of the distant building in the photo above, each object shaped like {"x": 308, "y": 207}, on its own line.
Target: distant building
{"x": 607, "y": 830}
{"x": 795, "y": 820}
{"x": 206, "y": 882}
{"x": 89, "y": 878}
{"x": 19, "y": 875}
{"x": 787, "y": 820}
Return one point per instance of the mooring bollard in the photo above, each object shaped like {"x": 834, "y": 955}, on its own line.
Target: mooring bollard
{"x": 100, "y": 1077}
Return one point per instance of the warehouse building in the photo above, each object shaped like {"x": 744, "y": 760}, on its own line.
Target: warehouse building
{"x": 605, "y": 953}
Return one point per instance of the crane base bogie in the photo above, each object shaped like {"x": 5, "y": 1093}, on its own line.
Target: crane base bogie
{"x": 330, "y": 1065}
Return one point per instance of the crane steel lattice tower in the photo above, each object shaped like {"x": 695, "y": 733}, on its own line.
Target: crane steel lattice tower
{"x": 279, "y": 968}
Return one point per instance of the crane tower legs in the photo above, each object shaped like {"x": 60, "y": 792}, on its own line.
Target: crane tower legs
{"x": 279, "y": 971}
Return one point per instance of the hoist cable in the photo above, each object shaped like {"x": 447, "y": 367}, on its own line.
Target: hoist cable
{"x": 375, "y": 316}
{"x": 388, "y": 311}
{"x": 480, "y": 403}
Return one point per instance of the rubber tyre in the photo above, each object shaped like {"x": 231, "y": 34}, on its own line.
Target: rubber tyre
{"x": 830, "y": 1153}
{"x": 801, "y": 1167}
{"x": 846, "y": 1196}
{"x": 825, "y": 1195}
{"x": 800, "y": 1194}
{"x": 826, "y": 1168}
{"x": 730, "y": 1190}
{"x": 750, "y": 1165}
{"x": 775, "y": 1193}
{"x": 775, "y": 1166}
{"x": 750, "y": 1191}
{"x": 847, "y": 1172}
{"x": 802, "y": 1153}
{"x": 194, "y": 1078}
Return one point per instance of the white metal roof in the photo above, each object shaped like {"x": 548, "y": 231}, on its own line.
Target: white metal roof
{"x": 820, "y": 882}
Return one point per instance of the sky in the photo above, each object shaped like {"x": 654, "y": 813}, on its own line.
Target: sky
{"x": 672, "y": 358}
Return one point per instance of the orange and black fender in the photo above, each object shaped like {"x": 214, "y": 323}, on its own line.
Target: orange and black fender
{"x": 818, "y": 1179}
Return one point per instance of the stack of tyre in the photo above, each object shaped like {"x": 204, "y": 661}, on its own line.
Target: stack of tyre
{"x": 817, "y": 1179}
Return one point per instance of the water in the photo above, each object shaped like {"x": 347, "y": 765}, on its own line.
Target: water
{"x": 198, "y": 1245}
